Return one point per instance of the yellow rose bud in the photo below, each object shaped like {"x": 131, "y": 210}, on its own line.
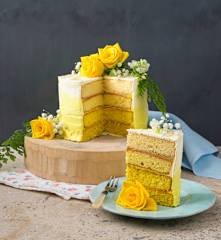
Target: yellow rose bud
{"x": 91, "y": 66}
{"x": 42, "y": 128}
{"x": 111, "y": 55}
{"x": 135, "y": 196}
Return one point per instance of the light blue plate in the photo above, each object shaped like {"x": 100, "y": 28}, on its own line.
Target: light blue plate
{"x": 195, "y": 198}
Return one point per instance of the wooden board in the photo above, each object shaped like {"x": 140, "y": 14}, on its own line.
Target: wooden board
{"x": 84, "y": 163}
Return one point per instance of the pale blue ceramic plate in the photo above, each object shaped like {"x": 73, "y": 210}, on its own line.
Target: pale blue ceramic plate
{"x": 195, "y": 198}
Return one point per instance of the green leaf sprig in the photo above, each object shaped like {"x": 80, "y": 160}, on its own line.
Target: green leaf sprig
{"x": 154, "y": 93}
{"x": 14, "y": 143}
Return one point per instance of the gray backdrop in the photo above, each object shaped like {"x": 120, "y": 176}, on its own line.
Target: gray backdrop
{"x": 40, "y": 39}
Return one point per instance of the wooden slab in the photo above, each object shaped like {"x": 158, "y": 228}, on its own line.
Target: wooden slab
{"x": 84, "y": 163}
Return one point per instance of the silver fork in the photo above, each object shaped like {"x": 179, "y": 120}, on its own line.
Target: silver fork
{"x": 110, "y": 187}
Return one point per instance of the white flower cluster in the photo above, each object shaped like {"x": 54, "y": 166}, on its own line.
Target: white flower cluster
{"x": 119, "y": 72}
{"x": 77, "y": 67}
{"x": 57, "y": 125}
{"x": 141, "y": 66}
{"x": 164, "y": 123}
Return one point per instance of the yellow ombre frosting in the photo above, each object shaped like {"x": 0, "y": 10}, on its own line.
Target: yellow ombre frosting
{"x": 133, "y": 195}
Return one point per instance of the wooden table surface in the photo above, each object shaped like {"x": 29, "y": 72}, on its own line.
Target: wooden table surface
{"x": 27, "y": 215}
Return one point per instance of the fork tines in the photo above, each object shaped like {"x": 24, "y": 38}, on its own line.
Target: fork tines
{"x": 112, "y": 183}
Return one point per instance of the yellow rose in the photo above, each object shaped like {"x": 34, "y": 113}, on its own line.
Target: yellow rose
{"x": 111, "y": 55}
{"x": 91, "y": 66}
{"x": 42, "y": 128}
{"x": 135, "y": 196}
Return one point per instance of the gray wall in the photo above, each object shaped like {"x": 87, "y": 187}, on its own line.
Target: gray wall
{"x": 40, "y": 39}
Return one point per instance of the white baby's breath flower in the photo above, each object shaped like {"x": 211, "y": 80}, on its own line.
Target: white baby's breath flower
{"x": 177, "y": 125}
{"x": 44, "y": 115}
{"x": 78, "y": 66}
{"x": 119, "y": 64}
{"x": 50, "y": 117}
{"x": 60, "y": 125}
{"x": 165, "y": 126}
{"x": 170, "y": 125}
{"x": 163, "y": 118}
{"x": 154, "y": 124}
{"x": 167, "y": 115}
{"x": 118, "y": 72}
{"x": 58, "y": 111}
{"x": 132, "y": 64}
{"x": 161, "y": 121}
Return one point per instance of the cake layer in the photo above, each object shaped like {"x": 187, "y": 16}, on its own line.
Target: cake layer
{"x": 148, "y": 178}
{"x": 164, "y": 198}
{"x": 82, "y": 121}
{"x": 156, "y": 146}
{"x": 118, "y": 115}
{"x": 117, "y": 101}
{"x": 85, "y": 134}
{"x": 169, "y": 198}
{"x": 116, "y": 128}
{"x": 92, "y": 88}
{"x": 148, "y": 161}
{"x": 92, "y": 102}
{"x": 118, "y": 86}
{"x": 70, "y": 105}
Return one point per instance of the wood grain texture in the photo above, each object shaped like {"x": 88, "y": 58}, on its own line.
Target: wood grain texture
{"x": 84, "y": 163}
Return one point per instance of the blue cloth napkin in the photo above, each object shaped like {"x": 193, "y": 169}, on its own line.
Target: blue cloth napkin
{"x": 199, "y": 154}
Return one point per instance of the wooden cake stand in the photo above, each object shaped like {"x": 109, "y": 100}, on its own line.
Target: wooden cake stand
{"x": 84, "y": 163}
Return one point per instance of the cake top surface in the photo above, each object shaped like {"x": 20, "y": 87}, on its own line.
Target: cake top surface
{"x": 170, "y": 135}
{"x": 128, "y": 78}
{"x": 76, "y": 79}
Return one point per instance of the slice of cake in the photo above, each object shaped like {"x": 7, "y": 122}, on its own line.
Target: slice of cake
{"x": 154, "y": 159}
{"x": 81, "y": 106}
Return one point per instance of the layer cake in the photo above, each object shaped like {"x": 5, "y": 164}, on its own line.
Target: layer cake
{"x": 90, "y": 107}
{"x": 154, "y": 159}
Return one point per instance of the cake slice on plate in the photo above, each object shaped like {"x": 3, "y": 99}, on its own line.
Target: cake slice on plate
{"x": 154, "y": 159}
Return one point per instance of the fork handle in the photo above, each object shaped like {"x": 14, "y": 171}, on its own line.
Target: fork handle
{"x": 99, "y": 201}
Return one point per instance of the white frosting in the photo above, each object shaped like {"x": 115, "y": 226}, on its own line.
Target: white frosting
{"x": 177, "y": 161}
{"x": 71, "y": 84}
{"x": 75, "y": 79}
{"x": 170, "y": 135}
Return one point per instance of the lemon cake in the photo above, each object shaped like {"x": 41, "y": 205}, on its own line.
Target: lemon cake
{"x": 154, "y": 159}
{"x": 92, "y": 106}
{"x": 104, "y": 94}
